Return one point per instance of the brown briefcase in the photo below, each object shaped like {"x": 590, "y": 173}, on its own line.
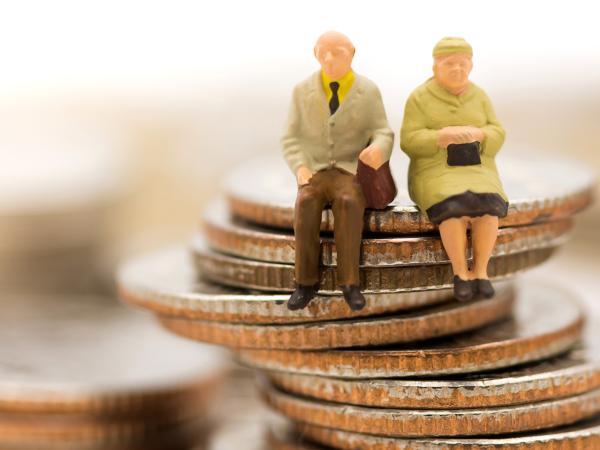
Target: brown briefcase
{"x": 377, "y": 185}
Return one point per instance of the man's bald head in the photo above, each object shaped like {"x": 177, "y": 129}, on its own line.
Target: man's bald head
{"x": 334, "y": 51}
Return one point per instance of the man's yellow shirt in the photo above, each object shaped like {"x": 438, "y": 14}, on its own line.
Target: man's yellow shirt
{"x": 345, "y": 85}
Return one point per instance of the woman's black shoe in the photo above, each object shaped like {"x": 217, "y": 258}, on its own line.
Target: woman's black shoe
{"x": 484, "y": 288}
{"x": 301, "y": 297}
{"x": 463, "y": 289}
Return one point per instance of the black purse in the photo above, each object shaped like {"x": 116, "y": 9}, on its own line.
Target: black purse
{"x": 463, "y": 154}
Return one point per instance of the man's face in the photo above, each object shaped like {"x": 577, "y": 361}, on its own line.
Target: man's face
{"x": 335, "y": 57}
{"x": 452, "y": 71}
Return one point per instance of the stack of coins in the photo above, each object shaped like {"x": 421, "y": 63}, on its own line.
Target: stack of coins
{"x": 85, "y": 373}
{"x": 59, "y": 188}
{"x": 413, "y": 366}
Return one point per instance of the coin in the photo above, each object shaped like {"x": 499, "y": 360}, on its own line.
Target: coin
{"x": 439, "y": 320}
{"x": 434, "y": 422}
{"x": 90, "y": 355}
{"x": 166, "y": 282}
{"x": 539, "y": 189}
{"x": 265, "y": 276}
{"x": 584, "y": 435}
{"x": 547, "y": 321}
{"x": 244, "y": 240}
{"x": 112, "y": 437}
{"x": 576, "y": 372}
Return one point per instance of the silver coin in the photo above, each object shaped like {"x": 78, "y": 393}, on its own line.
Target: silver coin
{"x": 430, "y": 422}
{"x": 574, "y": 373}
{"x": 584, "y": 435}
{"x": 539, "y": 189}
{"x": 167, "y": 283}
{"x": 438, "y": 320}
{"x": 240, "y": 272}
{"x": 92, "y": 355}
{"x": 547, "y": 321}
{"x": 241, "y": 239}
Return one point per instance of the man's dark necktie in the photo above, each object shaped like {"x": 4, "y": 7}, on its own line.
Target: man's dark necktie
{"x": 334, "y": 103}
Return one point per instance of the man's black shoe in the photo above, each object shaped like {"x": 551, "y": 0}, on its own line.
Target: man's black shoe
{"x": 301, "y": 296}
{"x": 356, "y": 301}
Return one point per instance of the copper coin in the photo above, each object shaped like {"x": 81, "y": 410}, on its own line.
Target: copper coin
{"x": 573, "y": 373}
{"x": 244, "y": 240}
{"x": 584, "y": 435}
{"x": 249, "y": 274}
{"x": 439, "y": 320}
{"x": 62, "y": 355}
{"x": 434, "y": 422}
{"x": 66, "y": 434}
{"x": 167, "y": 283}
{"x": 539, "y": 189}
{"x": 547, "y": 321}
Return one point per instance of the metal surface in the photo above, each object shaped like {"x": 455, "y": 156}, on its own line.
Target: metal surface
{"x": 573, "y": 373}
{"x": 244, "y": 240}
{"x": 584, "y": 435}
{"x": 440, "y": 320}
{"x": 166, "y": 282}
{"x": 430, "y": 422}
{"x": 90, "y": 355}
{"x": 547, "y": 321}
{"x": 539, "y": 189}
{"x": 249, "y": 274}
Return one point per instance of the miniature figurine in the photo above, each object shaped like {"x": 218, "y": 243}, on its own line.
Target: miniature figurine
{"x": 452, "y": 135}
{"x": 336, "y": 118}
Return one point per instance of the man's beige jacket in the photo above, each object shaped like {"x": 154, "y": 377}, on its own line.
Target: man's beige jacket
{"x": 318, "y": 140}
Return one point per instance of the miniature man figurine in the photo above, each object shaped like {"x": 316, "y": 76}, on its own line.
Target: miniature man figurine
{"x": 451, "y": 134}
{"x": 336, "y": 117}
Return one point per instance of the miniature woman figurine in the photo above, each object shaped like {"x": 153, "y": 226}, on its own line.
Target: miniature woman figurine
{"x": 336, "y": 117}
{"x": 452, "y": 135}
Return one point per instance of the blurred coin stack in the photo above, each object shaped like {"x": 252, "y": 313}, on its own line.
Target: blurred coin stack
{"x": 59, "y": 185}
{"x": 78, "y": 370}
{"x": 84, "y": 372}
{"x": 415, "y": 368}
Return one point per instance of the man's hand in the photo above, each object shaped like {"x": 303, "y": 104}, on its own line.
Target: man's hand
{"x": 303, "y": 175}
{"x": 459, "y": 135}
{"x": 372, "y": 156}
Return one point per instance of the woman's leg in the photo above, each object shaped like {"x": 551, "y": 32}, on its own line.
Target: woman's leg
{"x": 454, "y": 238}
{"x": 484, "y": 232}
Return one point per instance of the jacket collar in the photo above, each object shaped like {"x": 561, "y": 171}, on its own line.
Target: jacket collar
{"x": 318, "y": 93}
{"x": 455, "y": 100}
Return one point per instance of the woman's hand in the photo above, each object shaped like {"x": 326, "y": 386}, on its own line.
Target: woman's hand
{"x": 459, "y": 135}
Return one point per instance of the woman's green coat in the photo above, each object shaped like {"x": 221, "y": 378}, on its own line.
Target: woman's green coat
{"x": 428, "y": 109}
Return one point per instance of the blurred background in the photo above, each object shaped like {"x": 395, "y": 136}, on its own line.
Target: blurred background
{"x": 119, "y": 119}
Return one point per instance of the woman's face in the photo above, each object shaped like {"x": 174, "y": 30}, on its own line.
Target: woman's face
{"x": 452, "y": 71}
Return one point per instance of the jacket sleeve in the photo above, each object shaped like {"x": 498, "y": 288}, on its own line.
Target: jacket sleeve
{"x": 382, "y": 134}
{"x": 290, "y": 141}
{"x": 416, "y": 140}
{"x": 494, "y": 133}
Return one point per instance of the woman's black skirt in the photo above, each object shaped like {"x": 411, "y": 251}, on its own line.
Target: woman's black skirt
{"x": 469, "y": 204}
